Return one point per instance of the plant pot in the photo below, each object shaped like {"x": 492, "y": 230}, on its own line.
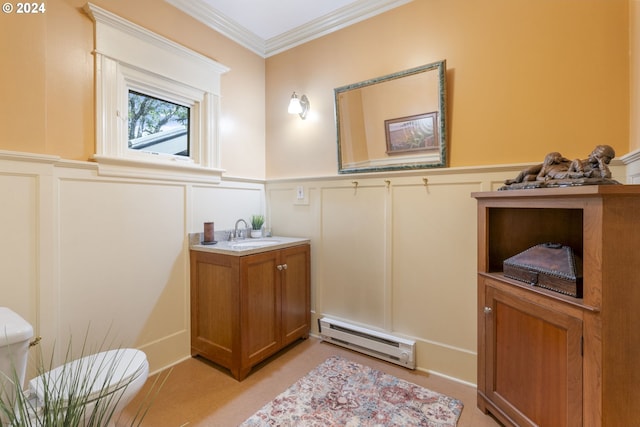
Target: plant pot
{"x": 256, "y": 233}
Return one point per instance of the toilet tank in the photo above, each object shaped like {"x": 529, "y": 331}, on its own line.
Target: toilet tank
{"x": 15, "y": 333}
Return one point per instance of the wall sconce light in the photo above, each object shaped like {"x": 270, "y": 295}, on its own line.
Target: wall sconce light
{"x": 299, "y": 106}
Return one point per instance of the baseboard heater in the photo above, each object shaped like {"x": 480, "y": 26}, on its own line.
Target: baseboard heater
{"x": 377, "y": 344}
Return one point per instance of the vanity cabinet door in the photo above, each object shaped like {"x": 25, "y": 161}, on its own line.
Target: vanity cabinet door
{"x": 260, "y": 298}
{"x": 533, "y": 361}
{"x": 296, "y": 306}
{"x": 215, "y": 314}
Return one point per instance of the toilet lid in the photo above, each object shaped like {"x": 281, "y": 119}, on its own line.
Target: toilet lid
{"x": 96, "y": 375}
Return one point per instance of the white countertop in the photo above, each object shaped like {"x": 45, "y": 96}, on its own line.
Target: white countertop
{"x": 250, "y": 246}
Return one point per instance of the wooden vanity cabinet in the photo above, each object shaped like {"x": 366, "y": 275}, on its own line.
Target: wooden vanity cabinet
{"x": 548, "y": 359}
{"x": 246, "y": 308}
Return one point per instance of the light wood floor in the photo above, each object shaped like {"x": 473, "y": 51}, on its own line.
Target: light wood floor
{"x": 198, "y": 393}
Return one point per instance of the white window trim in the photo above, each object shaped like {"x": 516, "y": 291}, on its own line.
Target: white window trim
{"x": 128, "y": 56}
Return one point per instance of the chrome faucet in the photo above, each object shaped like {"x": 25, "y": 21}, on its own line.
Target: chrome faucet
{"x": 235, "y": 229}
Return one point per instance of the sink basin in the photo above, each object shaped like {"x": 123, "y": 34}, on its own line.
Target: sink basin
{"x": 248, "y": 246}
{"x": 253, "y": 244}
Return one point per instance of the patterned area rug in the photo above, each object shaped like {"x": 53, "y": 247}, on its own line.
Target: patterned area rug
{"x": 339, "y": 392}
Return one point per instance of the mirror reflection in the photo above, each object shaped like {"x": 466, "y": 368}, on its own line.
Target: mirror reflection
{"x": 393, "y": 122}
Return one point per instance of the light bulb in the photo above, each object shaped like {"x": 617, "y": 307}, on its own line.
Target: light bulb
{"x": 294, "y": 105}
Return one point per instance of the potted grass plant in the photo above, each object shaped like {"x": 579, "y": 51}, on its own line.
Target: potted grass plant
{"x": 257, "y": 221}
{"x": 25, "y": 410}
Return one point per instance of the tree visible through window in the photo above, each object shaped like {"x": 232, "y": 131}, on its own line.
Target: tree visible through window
{"x": 157, "y": 126}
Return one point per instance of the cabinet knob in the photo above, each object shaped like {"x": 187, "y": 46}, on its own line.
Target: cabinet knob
{"x": 279, "y": 267}
{"x": 488, "y": 310}
{"x": 284, "y": 266}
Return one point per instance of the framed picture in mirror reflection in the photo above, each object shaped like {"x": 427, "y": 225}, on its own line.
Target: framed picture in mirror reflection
{"x": 412, "y": 133}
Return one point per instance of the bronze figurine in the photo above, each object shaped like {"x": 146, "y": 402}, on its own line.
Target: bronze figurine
{"x": 558, "y": 171}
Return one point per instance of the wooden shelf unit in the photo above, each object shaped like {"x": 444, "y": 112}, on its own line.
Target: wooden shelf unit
{"x": 544, "y": 358}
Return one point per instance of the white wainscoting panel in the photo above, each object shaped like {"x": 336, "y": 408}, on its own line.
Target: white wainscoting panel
{"x": 106, "y": 259}
{"x": 80, "y": 251}
{"x": 19, "y": 244}
{"x": 396, "y": 253}
{"x": 122, "y": 242}
{"x": 353, "y": 253}
{"x": 434, "y": 257}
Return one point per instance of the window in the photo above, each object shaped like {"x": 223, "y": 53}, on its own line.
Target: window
{"x": 157, "y": 126}
{"x": 134, "y": 67}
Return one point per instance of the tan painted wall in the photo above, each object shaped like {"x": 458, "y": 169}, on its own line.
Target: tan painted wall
{"x": 47, "y": 81}
{"x": 524, "y": 78}
{"x": 634, "y": 91}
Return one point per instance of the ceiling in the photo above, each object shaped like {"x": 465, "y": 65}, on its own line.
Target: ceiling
{"x": 267, "y": 21}
{"x": 268, "y": 27}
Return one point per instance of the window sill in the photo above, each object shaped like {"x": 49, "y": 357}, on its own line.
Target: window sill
{"x": 159, "y": 169}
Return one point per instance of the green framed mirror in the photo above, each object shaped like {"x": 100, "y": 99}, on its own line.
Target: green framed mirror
{"x": 393, "y": 122}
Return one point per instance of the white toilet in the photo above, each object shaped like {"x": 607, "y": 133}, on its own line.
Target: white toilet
{"x": 112, "y": 377}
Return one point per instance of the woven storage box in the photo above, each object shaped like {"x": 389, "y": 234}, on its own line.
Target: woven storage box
{"x": 548, "y": 265}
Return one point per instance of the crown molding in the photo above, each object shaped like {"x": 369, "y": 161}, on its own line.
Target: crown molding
{"x": 327, "y": 24}
{"x": 221, "y": 23}
{"x": 341, "y": 18}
